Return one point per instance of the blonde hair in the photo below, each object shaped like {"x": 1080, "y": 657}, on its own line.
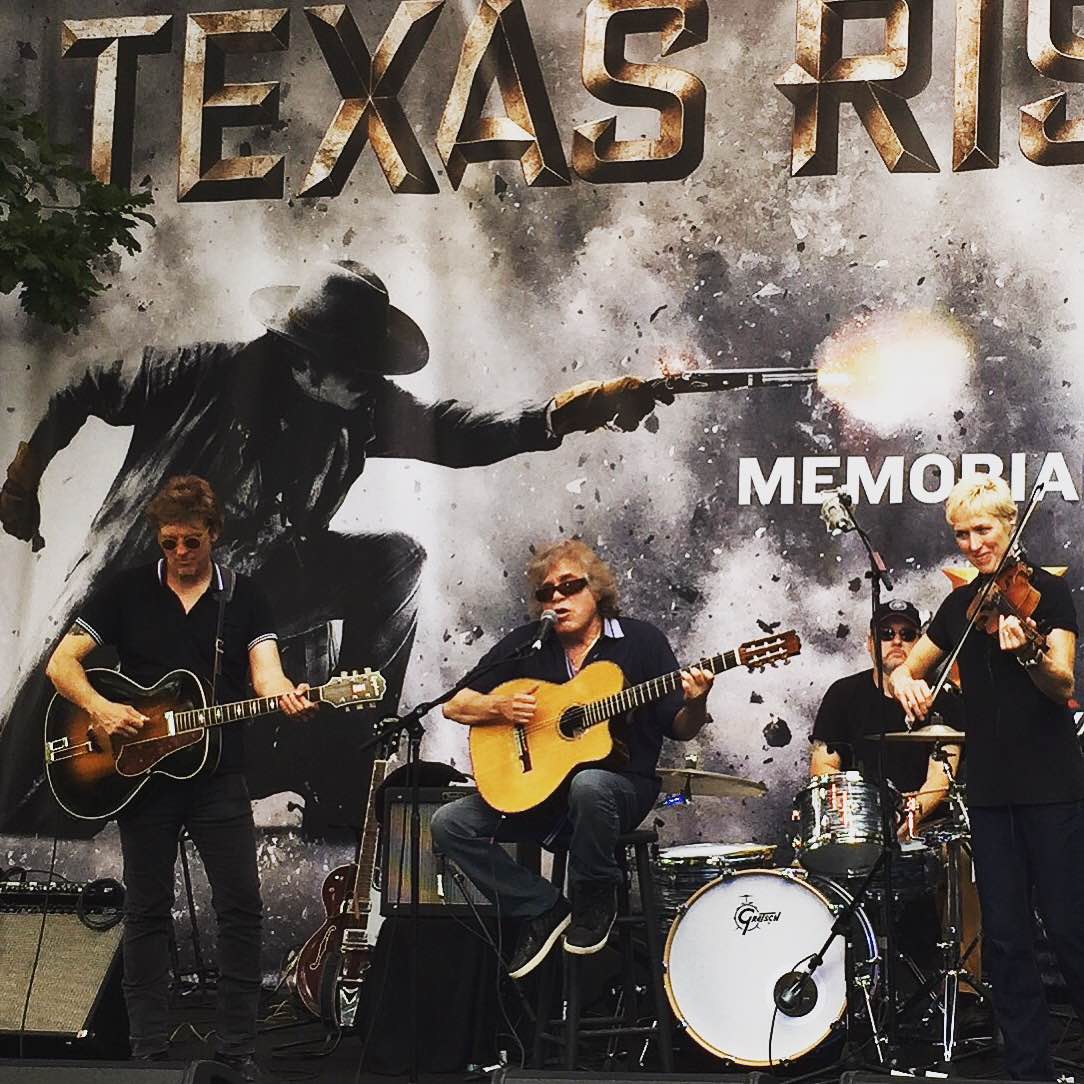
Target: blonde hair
{"x": 981, "y": 494}
{"x": 600, "y": 578}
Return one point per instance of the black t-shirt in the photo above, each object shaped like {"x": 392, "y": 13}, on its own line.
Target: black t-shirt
{"x": 1021, "y": 745}
{"x": 853, "y": 709}
{"x": 641, "y": 651}
{"x": 144, "y": 620}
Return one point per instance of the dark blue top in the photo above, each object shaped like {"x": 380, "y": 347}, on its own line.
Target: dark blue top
{"x": 642, "y": 652}
{"x": 138, "y": 614}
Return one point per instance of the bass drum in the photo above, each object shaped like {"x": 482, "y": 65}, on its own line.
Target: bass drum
{"x": 731, "y": 943}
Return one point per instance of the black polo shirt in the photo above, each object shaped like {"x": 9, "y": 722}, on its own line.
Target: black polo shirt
{"x": 1022, "y": 747}
{"x": 853, "y": 711}
{"x": 641, "y": 651}
{"x": 137, "y": 614}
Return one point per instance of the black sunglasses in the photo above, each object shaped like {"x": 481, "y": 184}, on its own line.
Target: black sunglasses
{"x": 191, "y": 542}
{"x": 566, "y": 588}
{"x": 908, "y": 635}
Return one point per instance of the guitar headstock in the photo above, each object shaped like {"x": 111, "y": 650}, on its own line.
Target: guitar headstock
{"x": 354, "y": 690}
{"x": 769, "y": 650}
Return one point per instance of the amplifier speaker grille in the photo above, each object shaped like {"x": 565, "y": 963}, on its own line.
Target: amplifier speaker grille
{"x": 72, "y": 968}
{"x": 438, "y": 894}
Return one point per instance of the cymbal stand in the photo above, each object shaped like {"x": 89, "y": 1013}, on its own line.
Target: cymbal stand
{"x": 952, "y": 953}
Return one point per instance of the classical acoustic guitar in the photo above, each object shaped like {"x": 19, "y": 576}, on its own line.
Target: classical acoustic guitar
{"x": 93, "y": 780}
{"x": 519, "y": 765}
{"x": 332, "y": 963}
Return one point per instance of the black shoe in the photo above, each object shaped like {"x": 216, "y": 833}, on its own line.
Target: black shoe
{"x": 538, "y": 936}
{"x": 244, "y": 1065}
{"x": 594, "y": 908}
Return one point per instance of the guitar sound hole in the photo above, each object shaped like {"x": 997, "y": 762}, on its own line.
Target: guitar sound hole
{"x": 572, "y": 723}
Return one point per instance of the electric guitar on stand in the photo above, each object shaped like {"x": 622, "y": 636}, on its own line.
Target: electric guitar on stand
{"x": 519, "y": 765}
{"x": 94, "y": 779}
{"x": 333, "y": 961}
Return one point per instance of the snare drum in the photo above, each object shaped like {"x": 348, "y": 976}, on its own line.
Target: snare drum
{"x": 680, "y": 871}
{"x": 734, "y": 940}
{"x": 839, "y": 823}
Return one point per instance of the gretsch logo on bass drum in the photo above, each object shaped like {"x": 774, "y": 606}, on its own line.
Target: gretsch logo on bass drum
{"x": 749, "y": 917}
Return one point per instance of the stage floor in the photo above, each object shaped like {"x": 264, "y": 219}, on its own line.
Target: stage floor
{"x": 283, "y": 1024}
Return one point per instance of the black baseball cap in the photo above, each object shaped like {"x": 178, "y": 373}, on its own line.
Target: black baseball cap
{"x": 896, "y": 609}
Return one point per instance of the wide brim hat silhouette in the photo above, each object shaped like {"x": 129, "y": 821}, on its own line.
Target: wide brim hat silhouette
{"x": 341, "y": 314}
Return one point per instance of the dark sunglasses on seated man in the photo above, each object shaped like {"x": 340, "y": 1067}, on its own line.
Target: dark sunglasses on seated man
{"x": 566, "y": 589}
{"x": 907, "y": 635}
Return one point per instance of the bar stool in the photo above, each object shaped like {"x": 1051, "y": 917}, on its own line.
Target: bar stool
{"x": 647, "y": 921}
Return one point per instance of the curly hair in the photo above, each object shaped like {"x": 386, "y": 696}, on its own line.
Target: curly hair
{"x": 601, "y": 581}
{"x": 184, "y": 498}
{"x": 981, "y": 494}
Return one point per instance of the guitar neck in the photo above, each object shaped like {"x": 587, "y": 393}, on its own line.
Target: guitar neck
{"x": 599, "y": 711}
{"x": 219, "y": 714}
{"x": 367, "y": 858}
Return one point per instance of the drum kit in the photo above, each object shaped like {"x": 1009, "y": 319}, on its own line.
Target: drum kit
{"x": 763, "y": 966}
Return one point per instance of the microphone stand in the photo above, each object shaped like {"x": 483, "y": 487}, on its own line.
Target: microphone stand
{"x": 391, "y": 729}
{"x": 795, "y": 993}
{"x": 878, "y": 576}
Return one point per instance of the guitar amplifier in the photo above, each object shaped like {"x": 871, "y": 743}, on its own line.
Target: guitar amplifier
{"x": 438, "y": 892}
{"x": 75, "y": 1006}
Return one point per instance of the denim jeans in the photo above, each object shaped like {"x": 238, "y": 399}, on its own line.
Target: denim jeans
{"x": 1029, "y": 855}
{"x": 218, "y": 816}
{"x": 596, "y": 807}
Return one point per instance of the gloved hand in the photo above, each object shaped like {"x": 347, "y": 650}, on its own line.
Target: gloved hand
{"x": 623, "y": 402}
{"x": 20, "y": 511}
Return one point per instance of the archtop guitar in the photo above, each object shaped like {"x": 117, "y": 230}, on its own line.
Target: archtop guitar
{"x": 519, "y": 765}
{"x": 93, "y": 781}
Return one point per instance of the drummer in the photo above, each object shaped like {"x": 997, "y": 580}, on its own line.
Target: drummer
{"x": 853, "y": 712}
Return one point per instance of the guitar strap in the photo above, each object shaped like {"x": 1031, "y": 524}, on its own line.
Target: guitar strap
{"x": 229, "y": 581}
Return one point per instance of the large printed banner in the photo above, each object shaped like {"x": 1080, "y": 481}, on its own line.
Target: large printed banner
{"x": 875, "y": 200}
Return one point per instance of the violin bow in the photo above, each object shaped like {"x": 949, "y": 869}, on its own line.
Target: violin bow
{"x": 1010, "y": 551}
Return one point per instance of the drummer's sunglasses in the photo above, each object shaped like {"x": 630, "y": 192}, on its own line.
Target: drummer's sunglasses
{"x": 566, "y": 589}
{"x": 886, "y": 635}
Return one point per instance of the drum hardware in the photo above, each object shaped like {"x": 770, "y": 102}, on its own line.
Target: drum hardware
{"x": 681, "y": 785}
{"x": 954, "y": 837}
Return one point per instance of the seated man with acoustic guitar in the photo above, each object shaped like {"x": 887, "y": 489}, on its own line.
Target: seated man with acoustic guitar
{"x": 162, "y": 617}
{"x": 596, "y": 803}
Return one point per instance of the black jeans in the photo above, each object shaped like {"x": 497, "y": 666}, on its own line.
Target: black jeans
{"x": 1025, "y": 855}
{"x": 217, "y": 813}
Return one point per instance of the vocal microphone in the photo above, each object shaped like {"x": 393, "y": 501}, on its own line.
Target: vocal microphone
{"x": 836, "y": 511}
{"x": 795, "y": 993}
{"x": 545, "y": 625}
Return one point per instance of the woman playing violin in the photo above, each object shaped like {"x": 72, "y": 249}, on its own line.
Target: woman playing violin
{"x": 1025, "y": 766}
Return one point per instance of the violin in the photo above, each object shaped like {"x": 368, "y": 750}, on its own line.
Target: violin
{"x": 1011, "y": 594}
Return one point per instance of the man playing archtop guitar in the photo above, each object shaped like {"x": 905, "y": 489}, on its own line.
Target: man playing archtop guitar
{"x": 599, "y": 801}
{"x": 164, "y": 617}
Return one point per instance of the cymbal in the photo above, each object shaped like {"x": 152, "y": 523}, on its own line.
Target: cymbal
{"x": 699, "y": 783}
{"x": 932, "y": 732}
